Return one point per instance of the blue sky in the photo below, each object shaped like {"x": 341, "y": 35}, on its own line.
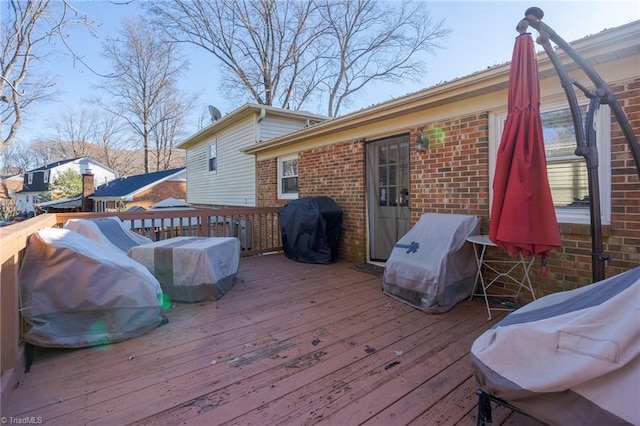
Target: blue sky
{"x": 483, "y": 35}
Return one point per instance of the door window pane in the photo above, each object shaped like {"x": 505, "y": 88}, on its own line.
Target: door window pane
{"x": 393, "y": 172}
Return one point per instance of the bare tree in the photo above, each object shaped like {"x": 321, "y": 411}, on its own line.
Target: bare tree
{"x": 290, "y": 52}
{"x": 20, "y": 158}
{"x": 75, "y": 127}
{"x": 265, "y": 47}
{"x": 9, "y": 161}
{"x": 166, "y": 134}
{"x": 149, "y": 68}
{"x": 43, "y": 152}
{"x": 114, "y": 146}
{"x": 25, "y": 27}
{"x": 97, "y": 134}
{"x": 78, "y": 134}
{"x": 370, "y": 41}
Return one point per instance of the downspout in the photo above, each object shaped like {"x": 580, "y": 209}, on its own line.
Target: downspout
{"x": 263, "y": 114}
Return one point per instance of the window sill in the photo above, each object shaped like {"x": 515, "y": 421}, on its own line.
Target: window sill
{"x": 288, "y": 196}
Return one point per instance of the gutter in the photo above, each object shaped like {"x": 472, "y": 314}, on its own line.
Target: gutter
{"x": 623, "y": 39}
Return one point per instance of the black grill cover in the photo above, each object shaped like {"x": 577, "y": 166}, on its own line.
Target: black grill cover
{"x": 311, "y": 229}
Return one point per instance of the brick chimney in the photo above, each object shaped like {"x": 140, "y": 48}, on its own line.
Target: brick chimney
{"x": 87, "y": 189}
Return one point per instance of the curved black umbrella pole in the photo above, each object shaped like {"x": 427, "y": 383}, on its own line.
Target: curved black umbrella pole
{"x": 585, "y": 134}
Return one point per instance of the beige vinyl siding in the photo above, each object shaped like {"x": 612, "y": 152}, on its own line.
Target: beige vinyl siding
{"x": 272, "y": 127}
{"x": 234, "y": 181}
{"x": 233, "y": 184}
{"x": 197, "y": 172}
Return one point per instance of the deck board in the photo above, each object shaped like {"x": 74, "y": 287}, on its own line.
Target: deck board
{"x": 290, "y": 343}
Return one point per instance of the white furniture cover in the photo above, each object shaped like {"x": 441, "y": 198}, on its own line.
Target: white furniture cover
{"x": 191, "y": 269}
{"x": 108, "y": 231}
{"x": 74, "y": 295}
{"x": 570, "y": 358}
{"x": 432, "y": 267}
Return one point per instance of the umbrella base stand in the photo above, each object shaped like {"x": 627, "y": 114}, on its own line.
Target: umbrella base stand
{"x": 584, "y": 131}
{"x": 480, "y": 244}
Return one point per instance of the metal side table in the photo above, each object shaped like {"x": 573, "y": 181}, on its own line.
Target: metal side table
{"x": 480, "y": 244}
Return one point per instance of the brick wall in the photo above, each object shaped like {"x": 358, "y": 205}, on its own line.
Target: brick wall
{"x": 159, "y": 192}
{"x": 452, "y": 176}
{"x": 337, "y": 171}
{"x": 267, "y": 185}
{"x": 624, "y": 233}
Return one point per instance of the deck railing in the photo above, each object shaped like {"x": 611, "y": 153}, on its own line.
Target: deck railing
{"x": 258, "y": 230}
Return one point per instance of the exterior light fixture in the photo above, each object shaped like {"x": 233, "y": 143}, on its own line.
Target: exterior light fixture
{"x": 422, "y": 142}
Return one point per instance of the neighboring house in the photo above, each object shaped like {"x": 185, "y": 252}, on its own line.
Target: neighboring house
{"x": 63, "y": 205}
{"x": 140, "y": 191}
{"x": 37, "y": 182}
{"x": 9, "y": 185}
{"x": 372, "y": 163}
{"x": 218, "y": 173}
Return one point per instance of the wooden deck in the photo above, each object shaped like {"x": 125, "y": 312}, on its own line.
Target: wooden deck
{"x": 291, "y": 343}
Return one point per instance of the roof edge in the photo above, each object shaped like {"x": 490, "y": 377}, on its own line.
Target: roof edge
{"x": 244, "y": 111}
{"x": 615, "y": 39}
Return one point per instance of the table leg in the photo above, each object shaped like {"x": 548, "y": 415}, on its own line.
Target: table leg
{"x": 479, "y": 277}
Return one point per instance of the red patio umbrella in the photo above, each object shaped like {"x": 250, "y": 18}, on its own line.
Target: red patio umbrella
{"x": 523, "y": 217}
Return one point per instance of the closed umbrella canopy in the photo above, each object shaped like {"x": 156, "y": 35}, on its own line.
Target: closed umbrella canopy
{"x": 523, "y": 217}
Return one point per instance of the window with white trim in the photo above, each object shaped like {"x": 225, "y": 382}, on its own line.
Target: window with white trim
{"x": 567, "y": 172}
{"x": 30, "y": 178}
{"x": 46, "y": 176}
{"x": 213, "y": 156}
{"x": 288, "y": 177}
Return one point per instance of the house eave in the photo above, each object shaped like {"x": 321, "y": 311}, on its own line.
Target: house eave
{"x": 240, "y": 114}
{"x": 606, "y": 46}
{"x": 127, "y": 197}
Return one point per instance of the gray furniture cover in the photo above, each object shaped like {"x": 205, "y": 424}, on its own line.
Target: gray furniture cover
{"x": 74, "y": 293}
{"x": 108, "y": 231}
{"x": 432, "y": 267}
{"x": 191, "y": 269}
{"x": 570, "y": 358}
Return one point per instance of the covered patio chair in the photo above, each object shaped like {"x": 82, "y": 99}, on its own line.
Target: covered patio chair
{"x": 433, "y": 267}
{"x": 72, "y": 295}
{"x": 108, "y": 231}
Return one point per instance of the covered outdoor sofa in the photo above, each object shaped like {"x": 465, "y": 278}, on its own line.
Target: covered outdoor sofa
{"x": 570, "y": 358}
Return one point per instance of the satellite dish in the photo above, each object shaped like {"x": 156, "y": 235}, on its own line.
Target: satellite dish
{"x": 215, "y": 113}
